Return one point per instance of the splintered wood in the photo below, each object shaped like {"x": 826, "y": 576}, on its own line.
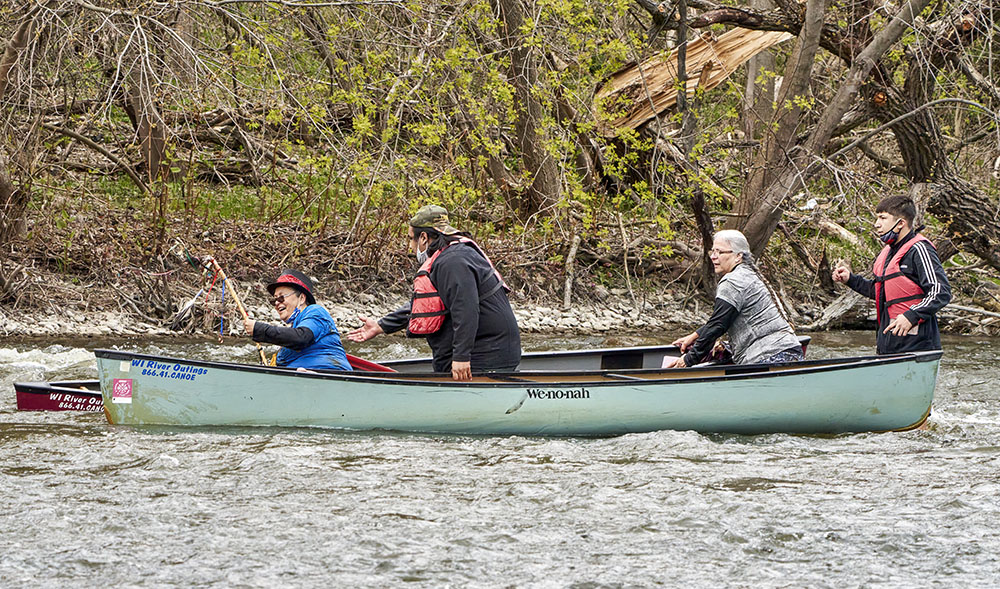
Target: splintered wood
{"x": 637, "y": 93}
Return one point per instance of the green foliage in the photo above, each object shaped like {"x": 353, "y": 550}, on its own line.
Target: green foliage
{"x": 402, "y": 105}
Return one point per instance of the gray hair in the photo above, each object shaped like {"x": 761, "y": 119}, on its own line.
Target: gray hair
{"x": 739, "y": 243}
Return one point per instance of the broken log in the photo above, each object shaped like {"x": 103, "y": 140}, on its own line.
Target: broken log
{"x": 637, "y": 93}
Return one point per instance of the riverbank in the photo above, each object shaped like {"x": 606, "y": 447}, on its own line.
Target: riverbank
{"x": 90, "y": 277}
{"x": 618, "y": 312}
{"x": 665, "y": 313}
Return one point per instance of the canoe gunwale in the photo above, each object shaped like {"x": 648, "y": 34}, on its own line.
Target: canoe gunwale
{"x": 577, "y": 353}
{"x": 62, "y": 386}
{"x": 521, "y": 378}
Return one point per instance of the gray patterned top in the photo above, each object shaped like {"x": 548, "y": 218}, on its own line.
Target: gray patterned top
{"x": 759, "y": 331}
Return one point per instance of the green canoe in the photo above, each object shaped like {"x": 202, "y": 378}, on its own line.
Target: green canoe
{"x": 810, "y": 397}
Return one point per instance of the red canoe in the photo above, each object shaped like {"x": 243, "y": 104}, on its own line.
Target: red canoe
{"x": 85, "y": 395}
{"x": 70, "y": 395}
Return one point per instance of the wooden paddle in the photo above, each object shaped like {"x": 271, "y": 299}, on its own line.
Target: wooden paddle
{"x": 210, "y": 261}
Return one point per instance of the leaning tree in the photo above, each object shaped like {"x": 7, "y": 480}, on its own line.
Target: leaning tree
{"x": 902, "y": 68}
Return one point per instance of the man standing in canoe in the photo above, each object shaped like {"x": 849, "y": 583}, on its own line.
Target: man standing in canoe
{"x": 459, "y": 302}
{"x": 909, "y": 286}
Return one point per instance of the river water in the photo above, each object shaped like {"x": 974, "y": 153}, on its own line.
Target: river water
{"x": 86, "y": 504}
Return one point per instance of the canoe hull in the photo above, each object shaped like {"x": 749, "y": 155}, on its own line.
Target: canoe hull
{"x": 818, "y": 398}
{"x": 86, "y": 395}
{"x": 59, "y": 396}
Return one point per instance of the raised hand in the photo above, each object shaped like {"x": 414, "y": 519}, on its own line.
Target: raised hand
{"x": 841, "y": 274}
{"x": 369, "y": 329}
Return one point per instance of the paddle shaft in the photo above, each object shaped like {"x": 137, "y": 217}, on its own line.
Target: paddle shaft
{"x": 239, "y": 304}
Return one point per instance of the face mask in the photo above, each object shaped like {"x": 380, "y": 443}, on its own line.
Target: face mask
{"x": 422, "y": 255}
{"x": 890, "y": 236}
{"x": 293, "y": 316}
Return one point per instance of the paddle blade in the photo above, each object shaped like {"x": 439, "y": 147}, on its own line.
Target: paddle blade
{"x": 367, "y": 365}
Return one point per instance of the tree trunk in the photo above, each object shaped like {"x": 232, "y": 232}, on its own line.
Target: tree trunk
{"x": 703, "y": 218}
{"x": 150, "y": 129}
{"x": 950, "y": 198}
{"x": 790, "y": 172}
{"x": 13, "y": 203}
{"x": 17, "y": 43}
{"x": 315, "y": 27}
{"x": 179, "y": 46}
{"x": 759, "y": 207}
{"x": 758, "y": 97}
{"x": 13, "y": 200}
{"x": 702, "y": 215}
{"x": 543, "y": 173}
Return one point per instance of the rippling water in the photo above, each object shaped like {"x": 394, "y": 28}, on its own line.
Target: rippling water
{"x": 86, "y": 504}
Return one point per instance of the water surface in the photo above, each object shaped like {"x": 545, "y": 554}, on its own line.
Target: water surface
{"x": 86, "y": 504}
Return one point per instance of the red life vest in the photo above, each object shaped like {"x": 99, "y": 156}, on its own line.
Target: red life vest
{"x": 427, "y": 310}
{"x": 891, "y": 285}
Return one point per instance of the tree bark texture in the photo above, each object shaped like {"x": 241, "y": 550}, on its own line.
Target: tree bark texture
{"x": 13, "y": 202}
{"x": 971, "y": 219}
{"x": 759, "y": 207}
{"x": 14, "y": 197}
{"x": 150, "y": 129}
{"x": 18, "y": 42}
{"x": 530, "y": 135}
{"x": 703, "y": 218}
{"x": 177, "y": 44}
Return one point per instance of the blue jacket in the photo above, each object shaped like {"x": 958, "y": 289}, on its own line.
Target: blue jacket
{"x": 311, "y": 340}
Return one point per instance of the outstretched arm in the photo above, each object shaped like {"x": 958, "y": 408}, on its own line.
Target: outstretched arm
{"x": 390, "y": 323}
{"x": 861, "y": 285}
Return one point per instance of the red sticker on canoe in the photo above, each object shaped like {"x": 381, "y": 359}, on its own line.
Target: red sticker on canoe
{"x": 121, "y": 390}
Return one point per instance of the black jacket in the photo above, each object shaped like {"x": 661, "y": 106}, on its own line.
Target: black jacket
{"x": 481, "y": 331}
{"x": 921, "y": 265}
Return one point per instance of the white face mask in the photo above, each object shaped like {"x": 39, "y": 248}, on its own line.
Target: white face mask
{"x": 422, "y": 255}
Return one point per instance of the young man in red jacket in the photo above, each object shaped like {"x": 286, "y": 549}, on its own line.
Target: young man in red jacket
{"x": 909, "y": 284}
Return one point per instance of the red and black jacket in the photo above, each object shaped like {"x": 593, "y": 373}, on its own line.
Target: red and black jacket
{"x": 479, "y": 325}
{"x": 910, "y": 280}
{"x": 427, "y": 310}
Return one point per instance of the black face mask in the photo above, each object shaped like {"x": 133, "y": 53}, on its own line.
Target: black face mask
{"x": 890, "y": 236}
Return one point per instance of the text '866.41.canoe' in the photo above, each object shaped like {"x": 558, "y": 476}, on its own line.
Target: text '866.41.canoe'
{"x": 813, "y": 397}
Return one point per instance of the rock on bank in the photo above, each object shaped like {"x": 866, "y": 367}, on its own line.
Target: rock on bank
{"x": 646, "y": 316}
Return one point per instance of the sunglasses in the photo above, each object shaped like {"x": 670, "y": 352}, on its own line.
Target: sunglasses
{"x": 278, "y": 299}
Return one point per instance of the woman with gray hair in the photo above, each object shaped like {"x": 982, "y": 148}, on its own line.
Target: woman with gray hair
{"x": 744, "y": 308}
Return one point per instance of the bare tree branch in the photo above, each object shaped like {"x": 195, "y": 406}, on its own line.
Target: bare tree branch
{"x": 101, "y": 150}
